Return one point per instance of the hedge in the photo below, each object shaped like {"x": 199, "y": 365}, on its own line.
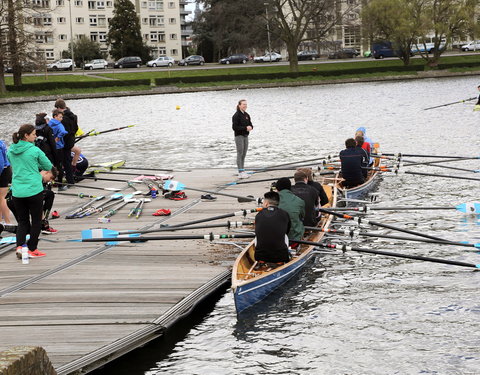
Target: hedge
{"x": 41, "y": 86}
{"x": 280, "y": 75}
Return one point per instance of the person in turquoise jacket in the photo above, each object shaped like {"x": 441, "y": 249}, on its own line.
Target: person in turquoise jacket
{"x": 27, "y": 189}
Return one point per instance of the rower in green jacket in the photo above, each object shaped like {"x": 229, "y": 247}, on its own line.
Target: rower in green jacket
{"x": 295, "y": 207}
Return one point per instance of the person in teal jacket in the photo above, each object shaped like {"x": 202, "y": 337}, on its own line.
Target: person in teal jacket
{"x": 295, "y": 207}
{"x": 27, "y": 189}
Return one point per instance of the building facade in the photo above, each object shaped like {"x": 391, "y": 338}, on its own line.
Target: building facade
{"x": 54, "y": 23}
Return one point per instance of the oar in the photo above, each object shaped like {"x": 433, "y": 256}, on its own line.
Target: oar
{"x": 134, "y": 210}
{"x": 209, "y": 237}
{"x": 93, "y": 133}
{"x": 397, "y": 171}
{"x": 400, "y": 159}
{"x": 117, "y": 208}
{"x": 444, "y": 105}
{"x": 79, "y": 195}
{"x": 410, "y": 163}
{"x": 426, "y": 156}
{"x": 91, "y": 210}
{"x": 72, "y": 214}
{"x": 90, "y": 187}
{"x": 466, "y": 208}
{"x": 345, "y": 248}
{"x": 176, "y": 186}
{"x": 243, "y": 213}
{"x": 353, "y": 233}
{"x": 376, "y": 223}
{"x": 272, "y": 167}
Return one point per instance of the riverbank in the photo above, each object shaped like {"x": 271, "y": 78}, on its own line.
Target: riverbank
{"x": 236, "y": 86}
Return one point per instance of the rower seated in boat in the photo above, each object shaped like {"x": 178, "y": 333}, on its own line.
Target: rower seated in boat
{"x": 321, "y": 192}
{"x": 309, "y": 195}
{"x": 365, "y": 155}
{"x": 351, "y": 161}
{"x": 293, "y": 205}
{"x": 271, "y": 227}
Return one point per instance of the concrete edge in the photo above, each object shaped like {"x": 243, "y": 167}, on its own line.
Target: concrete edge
{"x": 180, "y": 90}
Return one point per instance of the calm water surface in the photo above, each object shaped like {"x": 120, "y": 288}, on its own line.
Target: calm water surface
{"x": 346, "y": 314}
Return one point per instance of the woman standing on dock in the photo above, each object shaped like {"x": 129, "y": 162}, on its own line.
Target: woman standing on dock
{"x": 242, "y": 126}
{"x": 27, "y": 188}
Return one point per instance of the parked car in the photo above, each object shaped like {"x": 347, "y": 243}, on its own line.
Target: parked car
{"x": 472, "y": 46}
{"x": 268, "y": 57}
{"x": 128, "y": 62}
{"x": 192, "y": 60}
{"x": 161, "y": 61}
{"x": 95, "y": 64}
{"x": 427, "y": 47}
{"x": 344, "y": 53}
{"x": 63, "y": 64}
{"x": 307, "y": 55}
{"x": 27, "y": 66}
{"x": 235, "y": 59}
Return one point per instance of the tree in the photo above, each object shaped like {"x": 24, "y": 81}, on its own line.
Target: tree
{"x": 124, "y": 36}
{"x": 443, "y": 20}
{"x": 84, "y": 49}
{"x": 291, "y": 19}
{"x": 393, "y": 20}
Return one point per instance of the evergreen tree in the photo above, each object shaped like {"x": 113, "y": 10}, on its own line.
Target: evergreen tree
{"x": 124, "y": 36}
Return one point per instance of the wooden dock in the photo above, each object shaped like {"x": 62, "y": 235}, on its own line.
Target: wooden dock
{"x": 89, "y": 303}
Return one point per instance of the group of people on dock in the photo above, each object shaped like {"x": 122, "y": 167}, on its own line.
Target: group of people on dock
{"x": 39, "y": 155}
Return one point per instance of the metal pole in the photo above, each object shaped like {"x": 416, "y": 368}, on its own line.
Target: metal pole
{"x": 268, "y": 31}
{"x": 71, "y": 33}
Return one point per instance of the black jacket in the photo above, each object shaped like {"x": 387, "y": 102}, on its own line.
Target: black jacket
{"x": 46, "y": 142}
{"x": 271, "y": 227}
{"x": 71, "y": 126}
{"x": 310, "y": 195}
{"x": 321, "y": 193}
{"x": 240, "y": 121}
{"x": 352, "y": 159}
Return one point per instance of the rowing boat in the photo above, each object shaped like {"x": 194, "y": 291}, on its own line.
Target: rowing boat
{"x": 251, "y": 285}
{"x": 106, "y": 167}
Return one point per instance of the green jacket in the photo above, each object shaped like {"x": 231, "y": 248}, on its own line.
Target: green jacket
{"x": 27, "y": 160}
{"x": 295, "y": 207}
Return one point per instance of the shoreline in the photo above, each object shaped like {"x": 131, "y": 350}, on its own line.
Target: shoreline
{"x": 181, "y": 90}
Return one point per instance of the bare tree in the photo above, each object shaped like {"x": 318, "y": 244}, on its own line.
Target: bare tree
{"x": 3, "y": 46}
{"x": 291, "y": 19}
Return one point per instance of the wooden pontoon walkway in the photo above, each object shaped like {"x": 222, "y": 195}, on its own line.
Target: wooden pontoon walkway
{"x": 87, "y": 303}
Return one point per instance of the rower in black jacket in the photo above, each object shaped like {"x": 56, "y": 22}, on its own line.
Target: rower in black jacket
{"x": 309, "y": 194}
{"x": 351, "y": 160}
{"x": 271, "y": 227}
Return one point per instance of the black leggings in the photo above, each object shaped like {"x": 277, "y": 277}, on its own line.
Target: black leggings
{"x": 26, "y": 208}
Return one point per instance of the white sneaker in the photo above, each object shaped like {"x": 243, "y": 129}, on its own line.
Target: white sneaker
{"x": 243, "y": 175}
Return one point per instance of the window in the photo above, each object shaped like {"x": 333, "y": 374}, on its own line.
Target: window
{"x": 160, "y": 21}
{"x": 94, "y": 36}
{"x": 79, "y": 3}
{"x": 49, "y": 55}
{"x": 145, "y": 37}
{"x": 92, "y": 5}
{"x": 154, "y": 36}
{"x": 173, "y": 36}
{"x": 161, "y": 37}
{"x": 61, "y": 3}
{"x": 61, "y": 20}
{"x": 62, "y": 37}
{"x": 102, "y": 21}
{"x": 41, "y": 3}
{"x": 174, "y": 52}
{"x": 37, "y": 21}
{"x": 144, "y": 4}
{"x": 162, "y": 51}
{"x": 102, "y": 37}
{"x": 93, "y": 20}
{"x": 109, "y": 4}
{"x": 171, "y": 4}
{"x": 152, "y": 21}
{"x": 79, "y": 20}
{"x": 352, "y": 36}
{"x": 47, "y": 21}
{"x": 172, "y": 21}
{"x": 144, "y": 21}
{"x": 155, "y": 4}
{"x": 100, "y": 4}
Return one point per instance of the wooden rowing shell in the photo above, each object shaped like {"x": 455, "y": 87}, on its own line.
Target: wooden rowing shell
{"x": 251, "y": 286}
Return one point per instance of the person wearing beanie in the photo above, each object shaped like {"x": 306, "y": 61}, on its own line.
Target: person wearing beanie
{"x": 294, "y": 206}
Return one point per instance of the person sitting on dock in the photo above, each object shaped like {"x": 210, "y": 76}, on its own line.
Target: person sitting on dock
{"x": 271, "y": 227}
{"x": 294, "y": 206}
{"x": 79, "y": 164}
{"x": 321, "y": 193}
{"x": 309, "y": 195}
{"x": 365, "y": 155}
{"x": 351, "y": 161}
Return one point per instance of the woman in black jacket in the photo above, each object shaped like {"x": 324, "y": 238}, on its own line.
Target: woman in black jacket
{"x": 45, "y": 140}
{"x": 242, "y": 126}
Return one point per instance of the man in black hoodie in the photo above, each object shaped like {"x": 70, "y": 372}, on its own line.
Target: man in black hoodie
{"x": 71, "y": 126}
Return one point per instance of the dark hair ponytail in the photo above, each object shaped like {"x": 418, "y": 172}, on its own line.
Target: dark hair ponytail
{"x": 22, "y": 132}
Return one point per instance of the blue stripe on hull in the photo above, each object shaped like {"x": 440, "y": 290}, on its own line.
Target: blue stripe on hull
{"x": 250, "y": 294}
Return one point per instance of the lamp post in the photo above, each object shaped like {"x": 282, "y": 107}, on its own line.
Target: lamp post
{"x": 268, "y": 32}
{"x": 71, "y": 33}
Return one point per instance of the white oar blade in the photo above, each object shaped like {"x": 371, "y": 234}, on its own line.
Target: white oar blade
{"x": 469, "y": 208}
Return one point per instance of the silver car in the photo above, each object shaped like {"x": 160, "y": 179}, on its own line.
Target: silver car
{"x": 161, "y": 61}
{"x": 96, "y": 64}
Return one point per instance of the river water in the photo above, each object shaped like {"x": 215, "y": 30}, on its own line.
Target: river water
{"x": 345, "y": 314}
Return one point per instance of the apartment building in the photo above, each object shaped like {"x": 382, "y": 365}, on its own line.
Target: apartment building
{"x": 55, "y": 22}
